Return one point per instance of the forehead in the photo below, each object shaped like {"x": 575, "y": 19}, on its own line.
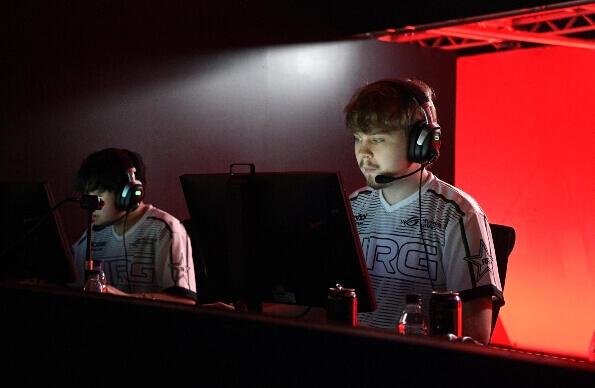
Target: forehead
{"x": 379, "y": 132}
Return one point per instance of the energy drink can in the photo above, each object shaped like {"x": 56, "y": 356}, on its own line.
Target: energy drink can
{"x": 342, "y": 306}
{"x": 446, "y": 314}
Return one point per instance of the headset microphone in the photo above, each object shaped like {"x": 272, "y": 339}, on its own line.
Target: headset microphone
{"x": 389, "y": 178}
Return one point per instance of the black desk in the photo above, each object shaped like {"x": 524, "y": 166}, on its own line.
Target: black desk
{"x": 54, "y": 335}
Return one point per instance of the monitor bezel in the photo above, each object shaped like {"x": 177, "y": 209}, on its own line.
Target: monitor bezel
{"x": 204, "y": 250}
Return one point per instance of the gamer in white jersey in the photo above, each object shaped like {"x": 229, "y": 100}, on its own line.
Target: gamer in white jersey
{"x": 146, "y": 252}
{"x": 396, "y": 136}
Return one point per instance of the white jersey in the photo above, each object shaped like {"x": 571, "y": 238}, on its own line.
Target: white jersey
{"x": 460, "y": 252}
{"x": 157, "y": 256}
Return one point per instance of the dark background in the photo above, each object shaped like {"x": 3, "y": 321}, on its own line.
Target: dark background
{"x": 195, "y": 86}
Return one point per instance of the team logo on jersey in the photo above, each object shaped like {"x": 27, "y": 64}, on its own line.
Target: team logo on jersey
{"x": 426, "y": 223}
{"x": 385, "y": 257}
{"x": 360, "y": 218}
{"x": 482, "y": 262}
{"x": 180, "y": 271}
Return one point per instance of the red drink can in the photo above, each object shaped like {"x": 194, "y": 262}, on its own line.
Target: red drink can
{"x": 342, "y": 306}
{"x": 446, "y": 314}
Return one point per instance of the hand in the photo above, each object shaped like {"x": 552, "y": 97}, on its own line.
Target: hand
{"x": 115, "y": 291}
{"x": 160, "y": 296}
{"x": 465, "y": 339}
{"x": 219, "y": 305}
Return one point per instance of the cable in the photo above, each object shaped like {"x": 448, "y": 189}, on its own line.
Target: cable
{"x": 421, "y": 230}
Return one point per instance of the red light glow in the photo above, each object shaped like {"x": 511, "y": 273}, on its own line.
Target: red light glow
{"x": 524, "y": 150}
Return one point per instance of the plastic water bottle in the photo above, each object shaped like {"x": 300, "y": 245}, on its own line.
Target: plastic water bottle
{"x": 98, "y": 265}
{"x": 412, "y": 321}
{"x": 93, "y": 283}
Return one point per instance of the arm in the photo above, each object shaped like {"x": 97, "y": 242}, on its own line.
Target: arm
{"x": 472, "y": 270}
{"x": 161, "y": 296}
{"x": 165, "y": 297}
{"x": 477, "y": 318}
{"x": 177, "y": 267}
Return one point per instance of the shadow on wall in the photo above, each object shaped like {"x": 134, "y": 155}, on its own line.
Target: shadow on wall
{"x": 279, "y": 107}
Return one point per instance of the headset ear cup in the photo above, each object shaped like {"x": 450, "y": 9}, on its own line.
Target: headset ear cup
{"x": 429, "y": 150}
{"x": 132, "y": 193}
{"x": 130, "y": 197}
{"x": 416, "y": 152}
{"x": 122, "y": 198}
{"x": 137, "y": 194}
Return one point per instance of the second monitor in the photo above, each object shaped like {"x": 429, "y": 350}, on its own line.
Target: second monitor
{"x": 274, "y": 237}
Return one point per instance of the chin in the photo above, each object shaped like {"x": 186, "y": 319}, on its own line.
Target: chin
{"x": 373, "y": 184}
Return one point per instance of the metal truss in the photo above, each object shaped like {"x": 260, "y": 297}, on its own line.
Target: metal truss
{"x": 562, "y": 26}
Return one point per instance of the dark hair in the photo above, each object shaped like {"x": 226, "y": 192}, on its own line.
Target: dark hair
{"x": 106, "y": 170}
{"x": 385, "y": 105}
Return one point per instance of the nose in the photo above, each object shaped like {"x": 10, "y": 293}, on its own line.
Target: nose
{"x": 362, "y": 149}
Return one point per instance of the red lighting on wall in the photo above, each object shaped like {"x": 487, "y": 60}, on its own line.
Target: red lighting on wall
{"x": 524, "y": 150}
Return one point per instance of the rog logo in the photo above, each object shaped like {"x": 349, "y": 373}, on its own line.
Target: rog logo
{"x": 414, "y": 221}
{"x": 361, "y": 217}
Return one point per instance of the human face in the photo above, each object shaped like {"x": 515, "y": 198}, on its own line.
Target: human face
{"x": 381, "y": 153}
{"x": 109, "y": 213}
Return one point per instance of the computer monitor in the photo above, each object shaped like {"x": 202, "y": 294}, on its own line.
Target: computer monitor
{"x": 32, "y": 240}
{"x": 274, "y": 237}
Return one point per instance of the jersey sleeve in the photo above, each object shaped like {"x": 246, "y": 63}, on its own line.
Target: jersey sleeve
{"x": 470, "y": 260}
{"x": 176, "y": 262}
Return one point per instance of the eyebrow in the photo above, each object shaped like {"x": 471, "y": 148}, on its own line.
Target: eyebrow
{"x": 372, "y": 133}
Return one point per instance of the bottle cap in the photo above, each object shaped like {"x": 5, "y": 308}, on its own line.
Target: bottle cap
{"x": 413, "y": 298}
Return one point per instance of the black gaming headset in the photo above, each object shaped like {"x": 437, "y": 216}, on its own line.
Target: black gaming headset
{"x": 425, "y": 136}
{"x": 132, "y": 193}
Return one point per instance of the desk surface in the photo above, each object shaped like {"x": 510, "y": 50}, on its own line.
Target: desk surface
{"x": 69, "y": 333}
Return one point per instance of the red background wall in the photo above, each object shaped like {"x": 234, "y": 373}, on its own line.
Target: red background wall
{"x": 524, "y": 150}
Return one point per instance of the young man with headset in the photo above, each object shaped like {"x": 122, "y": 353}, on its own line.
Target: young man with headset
{"x": 145, "y": 252}
{"x": 418, "y": 233}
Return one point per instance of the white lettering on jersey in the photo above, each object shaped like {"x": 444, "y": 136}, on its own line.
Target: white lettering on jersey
{"x": 384, "y": 257}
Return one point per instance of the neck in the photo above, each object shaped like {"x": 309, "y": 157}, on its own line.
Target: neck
{"x": 403, "y": 188}
{"x": 133, "y": 217}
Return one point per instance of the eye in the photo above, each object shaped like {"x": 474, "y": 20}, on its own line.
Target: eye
{"x": 356, "y": 139}
{"x": 377, "y": 140}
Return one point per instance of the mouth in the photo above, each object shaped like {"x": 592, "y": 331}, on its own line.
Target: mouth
{"x": 368, "y": 169}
